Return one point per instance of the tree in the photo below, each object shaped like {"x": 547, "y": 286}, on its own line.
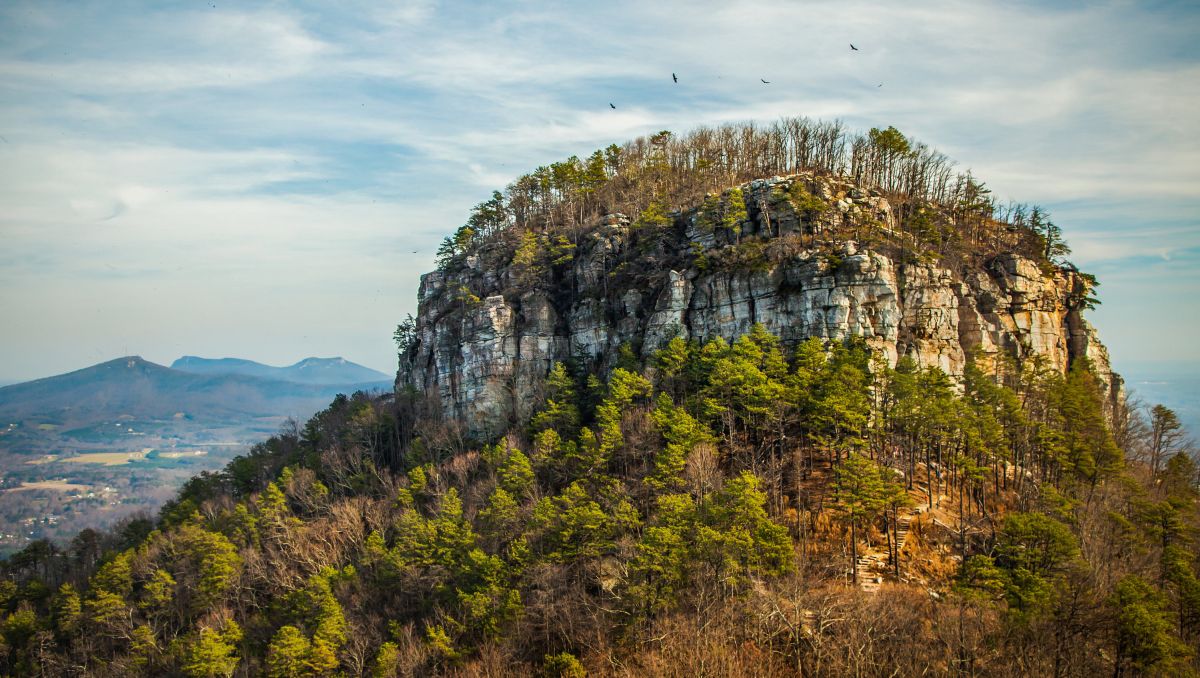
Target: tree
{"x": 1089, "y": 451}
{"x": 890, "y": 141}
{"x": 681, "y": 433}
{"x": 405, "y": 336}
{"x": 735, "y": 212}
{"x": 838, "y": 415}
{"x": 288, "y": 653}
{"x": 862, "y": 493}
{"x": 204, "y": 564}
{"x": 746, "y": 389}
{"x": 890, "y": 147}
{"x": 561, "y": 412}
{"x": 115, "y": 576}
{"x": 737, "y": 537}
{"x": 660, "y": 570}
{"x": 322, "y": 658}
{"x": 316, "y": 607}
{"x": 1166, "y": 435}
{"x": 516, "y": 474}
{"x": 804, "y": 202}
{"x": 1143, "y": 628}
{"x": 387, "y": 661}
{"x": 19, "y": 626}
{"x": 1054, "y": 248}
{"x": 107, "y": 614}
{"x": 574, "y": 525}
{"x": 143, "y": 645}
{"x": 1035, "y": 552}
{"x": 672, "y": 360}
{"x": 489, "y": 215}
{"x": 500, "y": 516}
{"x": 211, "y": 653}
{"x": 653, "y": 220}
{"x": 68, "y": 610}
{"x": 624, "y": 387}
{"x": 158, "y": 592}
{"x": 1182, "y": 584}
{"x": 563, "y": 665}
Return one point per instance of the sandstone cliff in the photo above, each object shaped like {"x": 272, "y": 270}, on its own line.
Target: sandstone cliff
{"x": 488, "y": 332}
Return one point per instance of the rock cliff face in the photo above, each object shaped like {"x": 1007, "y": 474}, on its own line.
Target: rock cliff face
{"x": 485, "y": 337}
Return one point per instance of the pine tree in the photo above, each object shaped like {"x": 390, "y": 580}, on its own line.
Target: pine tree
{"x": 287, "y": 653}
{"x": 862, "y": 493}
{"x": 500, "y": 516}
{"x": 1089, "y": 451}
{"x": 660, "y": 570}
{"x": 516, "y": 474}
{"x": 68, "y": 610}
{"x": 681, "y": 432}
{"x": 1166, "y": 435}
{"x": 1035, "y": 552}
{"x": 574, "y": 525}
{"x": 1143, "y": 628}
{"x": 212, "y": 653}
{"x": 737, "y": 536}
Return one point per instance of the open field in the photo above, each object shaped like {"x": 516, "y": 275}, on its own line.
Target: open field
{"x": 58, "y": 485}
{"x": 108, "y": 458}
{"x": 44, "y": 459}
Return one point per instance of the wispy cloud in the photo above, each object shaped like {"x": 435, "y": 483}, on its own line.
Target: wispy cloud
{"x": 255, "y": 178}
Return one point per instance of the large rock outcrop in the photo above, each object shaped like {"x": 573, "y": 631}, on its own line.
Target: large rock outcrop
{"x": 485, "y": 338}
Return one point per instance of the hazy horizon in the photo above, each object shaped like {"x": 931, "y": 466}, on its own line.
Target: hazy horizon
{"x": 4, "y": 381}
{"x": 267, "y": 181}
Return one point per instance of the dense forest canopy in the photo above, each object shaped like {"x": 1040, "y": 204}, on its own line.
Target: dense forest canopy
{"x": 724, "y": 509}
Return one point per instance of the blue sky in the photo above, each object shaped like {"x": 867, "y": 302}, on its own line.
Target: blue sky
{"x": 252, "y": 179}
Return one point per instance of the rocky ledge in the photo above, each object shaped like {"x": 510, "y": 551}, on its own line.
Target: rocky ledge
{"x": 485, "y": 339}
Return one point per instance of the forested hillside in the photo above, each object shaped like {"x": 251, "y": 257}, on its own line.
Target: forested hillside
{"x": 725, "y": 510}
{"x": 751, "y": 505}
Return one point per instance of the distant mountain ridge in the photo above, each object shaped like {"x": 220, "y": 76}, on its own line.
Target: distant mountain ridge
{"x": 133, "y": 385}
{"x": 336, "y": 370}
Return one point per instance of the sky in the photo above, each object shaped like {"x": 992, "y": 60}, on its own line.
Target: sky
{"x": 268, "y": 180}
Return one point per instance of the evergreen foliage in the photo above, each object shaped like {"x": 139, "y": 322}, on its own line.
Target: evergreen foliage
{"x": 706, "y": 511}
{"x": 667, "y": 183}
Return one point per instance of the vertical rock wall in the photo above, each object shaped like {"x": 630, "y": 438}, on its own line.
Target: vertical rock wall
{"x": 484, "y": 354}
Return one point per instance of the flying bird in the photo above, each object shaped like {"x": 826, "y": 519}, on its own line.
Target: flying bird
{"x": 675, "y": 77}
{"x": 612, "y": 106}
{"x": 852, "y": 47}
{"x": 765, "y": 82}
{"x": 879, "y": 85}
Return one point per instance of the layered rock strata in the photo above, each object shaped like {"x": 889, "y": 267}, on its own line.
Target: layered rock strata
{"x": 484, "y": 342}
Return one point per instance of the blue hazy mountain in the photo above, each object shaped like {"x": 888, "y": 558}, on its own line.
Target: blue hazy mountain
{"x": 139, "y": 388}
{"x": 308, "y": 371}
{"x": 140, "y": 429}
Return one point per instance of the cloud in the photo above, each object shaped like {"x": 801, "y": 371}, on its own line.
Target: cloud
{"x": 256, "y": 174}
{"x": 165, "y": 51}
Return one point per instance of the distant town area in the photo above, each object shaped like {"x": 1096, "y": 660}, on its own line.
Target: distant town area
{"x": 66, "y": 481}
{"x": 96, "y": 446}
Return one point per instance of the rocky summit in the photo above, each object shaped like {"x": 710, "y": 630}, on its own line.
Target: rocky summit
{"x": 845, "y": 420}
{"x": 486, "y": 334}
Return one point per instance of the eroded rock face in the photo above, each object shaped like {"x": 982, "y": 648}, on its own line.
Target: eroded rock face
{"x": 483, "y": 355}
